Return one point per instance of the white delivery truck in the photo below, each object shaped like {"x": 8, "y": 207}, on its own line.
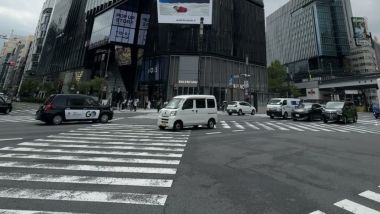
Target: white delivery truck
{"x": 282, "y": 107}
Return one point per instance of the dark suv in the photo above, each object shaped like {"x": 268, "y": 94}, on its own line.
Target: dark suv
{"x": 340, "y": 111}
{"x": 5, "y": 107}
{"x": 73, "y": 107}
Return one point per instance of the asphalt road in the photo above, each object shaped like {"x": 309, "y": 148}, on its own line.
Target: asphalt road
{"x": 248, "y": 164}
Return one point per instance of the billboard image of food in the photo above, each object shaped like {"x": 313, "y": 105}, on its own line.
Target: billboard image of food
{"x": 184, "y": 11}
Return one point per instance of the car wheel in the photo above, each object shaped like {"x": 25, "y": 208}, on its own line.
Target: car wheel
{"x": 240, "y": 112}
{"x": 311, "y": 118}
{"x": 57, "y": 120}
{"x": 325, "y": 120}
{"x": 253, "y": 112}
{"x": 161, "y": 128}
{"x": 286, "y": 115}
{"x": 6, "y": 111}
{"x": 230, "y": 114}
{"x": 104, "y": 118}
{"x": 211, "y": 124}
{"x": 294, "y": 119}
{"x": 177, "y": 126}
{"x": 271, "y": 117}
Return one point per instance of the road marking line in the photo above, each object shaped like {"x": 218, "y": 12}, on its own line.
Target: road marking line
{"x": 213, "y": 133}
{"x": 116, "y": 139}
{"x": 278, "y": 127}
{"x": 5, "y": 211}
{"x": 89, "y": 159}
{"x": 95, "y": 152}
{"x": 11, "y": 139}
{"x": 225, "y": 125}
{"x": 118, "y": 136}
{"x": 110, "y": 142}
{"x": 290, "y": 127}
{"x": 94, "y": 168}
{"x": 238, "y": 131}
{"x": 355, "y": 207}
{"x": 265, "y": 127}
{"x": 86, "y": 180}
{"x": 34, "y": 144}
{"x": 306, "y": 128}
{"x": 318, "y": 128}
{"x": 84, "y": 196}
{"x": 318, "y": 212}
{"x": 371, "y": 195}
{"x": 252, "y": 126}
{"x": 136, "y": 133}
{"x": 358, "y": 129}
{"x": 331, "y": 127}
{"x": 237, "y": 125}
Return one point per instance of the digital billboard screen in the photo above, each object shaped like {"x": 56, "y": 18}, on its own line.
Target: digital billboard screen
{"x": 184, "y": 11}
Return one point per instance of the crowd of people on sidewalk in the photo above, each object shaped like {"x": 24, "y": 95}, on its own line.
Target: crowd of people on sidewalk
{"x": 121, "y": 103}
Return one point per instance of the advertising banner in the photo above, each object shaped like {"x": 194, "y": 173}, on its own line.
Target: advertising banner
{"x": 361, "y": 34}
{"x": 184, "y": 11}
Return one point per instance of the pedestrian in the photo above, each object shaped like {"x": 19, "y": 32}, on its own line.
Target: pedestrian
{"x": 135, "y": 103}
{"x": 149, "y": 104}
{"x": 119, "y": 99}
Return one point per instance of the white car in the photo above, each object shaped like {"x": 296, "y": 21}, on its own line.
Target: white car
{"x": 240, "y": 108}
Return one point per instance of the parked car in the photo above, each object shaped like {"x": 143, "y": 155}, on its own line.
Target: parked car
{"x": 73, "y": 107}
{"x": 189, "y": 110}
{"x": 340, "y": 111}
{"x": 5, "y": 107}
{"x": 281, "y": 107}
{"x": 307, "y": 111}
{"x": 376, "y": 111}
{"x": 240, "y": 108}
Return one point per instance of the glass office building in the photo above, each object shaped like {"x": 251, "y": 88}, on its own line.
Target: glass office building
{"x": 311, "y": 37}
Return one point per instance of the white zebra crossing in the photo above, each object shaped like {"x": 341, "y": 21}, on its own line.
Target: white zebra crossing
{"x": 17, "y": 119}
{"x": 130, "y": 160}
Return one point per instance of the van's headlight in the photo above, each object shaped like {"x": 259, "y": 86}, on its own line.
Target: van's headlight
{"x": 173, "y": 113}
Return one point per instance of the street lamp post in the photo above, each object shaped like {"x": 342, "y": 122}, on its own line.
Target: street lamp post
{"x": 200, "y": 42}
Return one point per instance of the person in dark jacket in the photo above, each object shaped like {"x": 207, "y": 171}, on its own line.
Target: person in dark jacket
{"x": 119, "y": 99}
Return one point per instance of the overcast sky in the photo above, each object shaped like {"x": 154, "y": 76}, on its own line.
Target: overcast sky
{"x": 22, "y": 15}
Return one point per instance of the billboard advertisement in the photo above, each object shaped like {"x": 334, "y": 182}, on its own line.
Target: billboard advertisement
{"x": 361, "y": 34}
{"x": 184, "y": 11}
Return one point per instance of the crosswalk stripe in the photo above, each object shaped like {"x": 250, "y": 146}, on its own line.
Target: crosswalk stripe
{"x": 225, "y": 125}
{"x": 276, "y": 126}
{"x": 88, "y": 159}
{"x": 355, "y": 207}
{"x": 252, "y": 126}
{"x": 94, "y": 168}
{"x": 112, "y": 143}
{"x": 81, "y": 146}
{"x": 125, "y": 131}
{"x": 135, "y": 133}
{"x": 371, "y": 195}
{"x": 94, "y": 152}
{"x": 120, "y": 136}
{"x": 330, "y": 127}
{"x": 318, "y": 128}
{"x": 290, "y": 127}
{"x": 116, "y": 139}
{"x": 86, "y": 180}
{"x": 357, "y": 129}
{"x": 265, "y": 127}
{"x": 318, "y": 212}
{"x": 84, "y": 196}
{"x": 306, "y": 128}
{"x": 237, "y": 125}
{"x": 9, "y": 211}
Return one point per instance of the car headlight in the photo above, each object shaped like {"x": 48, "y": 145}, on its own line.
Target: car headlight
{"x": 173, "y": 113}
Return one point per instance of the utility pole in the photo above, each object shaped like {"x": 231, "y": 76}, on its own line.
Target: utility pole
{"x": 200, "y": 43}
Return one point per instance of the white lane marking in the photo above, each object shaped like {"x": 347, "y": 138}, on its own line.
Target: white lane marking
{"x": 116, "y": 139}
{"x": 121, "y": 125}
{"x": 135, "y": 133}
{"x": 318, "y": 212}
{"x": 371, "y": 195}
{"x": 355, "y": 207}
{"x": 5, "y": 211}
{"x": 86, "y": 180}
{"x": 318, "y": 128}
{"x": 95, "y": 152}
{"x": 347, "y": 128}
{"x": 111, "y": 143}
{"x": 276, "y": 126}
{"x": 237, "y": 125}
{"x": 332, "y": 128}
{"x": 89, "y": 159}
{"x": 305, "y": 127}
{"x": 252, "y": 126}
{"x": 118, "y": 136}
{"x": 290, "y": 127}
{"x": 84, "y": 196}
{"x": 213, "y": 133}
{"x": 358, "y": 129}
{"x": 101, "y": 147}
{"x": 95, "y": 168}
{"x": 265, "y": 127}
{"x": 225, "y": 125}
{"x": 11, "y": 139}
{"x": 238, "y": 131}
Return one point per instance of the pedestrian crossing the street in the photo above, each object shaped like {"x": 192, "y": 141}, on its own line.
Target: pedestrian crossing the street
{"x": 355, "y": 207}
{"x": 139, "y": 159}
{"x": 287, "y": 126}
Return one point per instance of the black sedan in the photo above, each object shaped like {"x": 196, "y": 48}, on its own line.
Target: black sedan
{"x": 307, "y": 111}
{"x": 5, "y": 107}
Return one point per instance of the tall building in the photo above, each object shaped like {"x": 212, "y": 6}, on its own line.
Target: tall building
{"x": 39, "y": 37}
{"x": 7, "y": 58}
{"x": 311, "y": 37}
{"x": 123, "y": 42}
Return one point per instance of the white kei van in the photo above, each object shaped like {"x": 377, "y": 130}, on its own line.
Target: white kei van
{"x": 282, "y": 107}
{"x": 189, "y": 110}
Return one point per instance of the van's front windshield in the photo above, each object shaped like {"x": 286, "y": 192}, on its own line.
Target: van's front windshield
{"x": 275, "y": 102}
{"x": 174, "y": 103}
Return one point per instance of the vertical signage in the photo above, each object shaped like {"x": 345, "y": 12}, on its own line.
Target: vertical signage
{"x": 143, "y": 28}
{"x": 123, "y": 26}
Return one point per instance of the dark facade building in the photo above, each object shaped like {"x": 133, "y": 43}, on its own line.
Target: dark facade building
{"x": 311, "y": 37}
{"x": 123, "y": 42}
